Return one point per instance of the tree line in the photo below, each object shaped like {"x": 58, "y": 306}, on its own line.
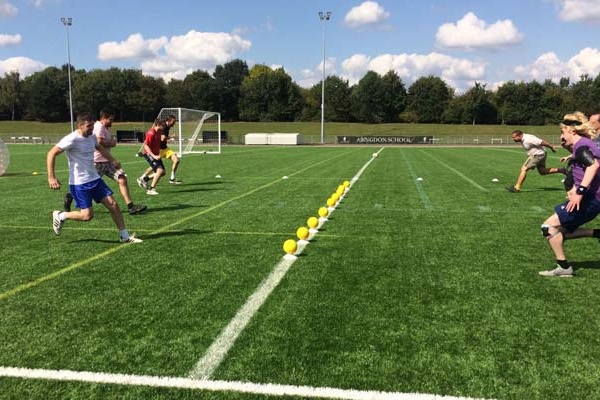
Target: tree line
{"x": 264, "y": 94}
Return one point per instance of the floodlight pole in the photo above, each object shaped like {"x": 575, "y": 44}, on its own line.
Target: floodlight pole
{"x": 67, "y": 22}
{"x": 324, "y": 17}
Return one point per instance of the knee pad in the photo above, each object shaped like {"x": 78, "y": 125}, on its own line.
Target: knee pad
{"x": 545, "y": 230}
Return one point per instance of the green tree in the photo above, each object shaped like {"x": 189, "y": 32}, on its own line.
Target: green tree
{"x": 337, "y": 101}
{"x": 202, "y": 91}
{"x": 228, "y": 79}
{"x": 394, "y": 96}
{"x": 11, "y": 97}
{"x": 368, "y": 99}
{"x": 428, "y": 98}
{"x": 269, "y": 95}
{"x": 45, "y": 93}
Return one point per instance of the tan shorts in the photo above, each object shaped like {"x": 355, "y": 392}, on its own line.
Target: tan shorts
{"x": 535, "y": 162}
{"x": 108, "y": 169}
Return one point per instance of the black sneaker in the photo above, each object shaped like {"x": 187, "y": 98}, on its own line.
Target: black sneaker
{"x": 67, "y": 201}
{"x": 512, "y": 189}
{"x": 137, "y": 209}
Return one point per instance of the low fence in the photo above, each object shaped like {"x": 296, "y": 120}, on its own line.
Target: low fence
{"x": 238, "y": 139}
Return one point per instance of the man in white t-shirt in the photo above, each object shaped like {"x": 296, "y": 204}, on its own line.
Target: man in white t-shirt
{"x": 85, "y": 184}
{"x": 536, "y": 158}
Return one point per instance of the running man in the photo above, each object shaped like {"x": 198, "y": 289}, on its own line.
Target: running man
{"x": 536, "y": 158}
{"x": 84, "y": 182}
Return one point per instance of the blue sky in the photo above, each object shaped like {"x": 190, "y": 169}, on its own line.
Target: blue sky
{"x": 462, "y": 41}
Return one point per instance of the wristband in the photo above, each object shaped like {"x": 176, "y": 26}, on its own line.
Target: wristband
{"x": 582, "y": 190}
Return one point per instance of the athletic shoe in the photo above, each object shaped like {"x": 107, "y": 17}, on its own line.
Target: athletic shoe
{"x": 131, "y": 239}
{"x": 140, "y": 208}
{"x": 512, "y": 189}
{"x": 175, "y": 181}
{"x": 559, "y": 271}
{"x": 151, "y": 192}
{"x": 142, "y": 183}
{"x": 57, "y": 223}
{"x": 68, "y": 200}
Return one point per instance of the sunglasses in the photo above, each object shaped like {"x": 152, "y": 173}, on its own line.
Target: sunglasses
{"x": 571, "y": 122}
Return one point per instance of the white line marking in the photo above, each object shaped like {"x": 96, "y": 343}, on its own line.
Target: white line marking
{"x": 216, "y": 386}
{"x": 217, "y": 351}
{"x": 221, "y": 346}
{"x": 457, "y": 172}
{"x": 424, "y": 198}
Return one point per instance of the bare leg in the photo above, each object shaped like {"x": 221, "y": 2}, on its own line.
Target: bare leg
{"x": 115, "y": 212}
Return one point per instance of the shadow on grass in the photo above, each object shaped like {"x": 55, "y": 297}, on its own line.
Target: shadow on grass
{"x": 172, "y": 207}
{"x": 152, "y": 236}
{"x": 181, "y": 232}
{"x": 585, "y": 265}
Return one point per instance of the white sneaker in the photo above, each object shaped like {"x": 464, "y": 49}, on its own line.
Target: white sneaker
{"x": 558, "y": 271}
{"x": 57, "y": 223}
{"x": 131, "y": 239}
{"x": 175, "y": 181}
{"x": 151, "y": 192}
{"x": 142, "y": 183}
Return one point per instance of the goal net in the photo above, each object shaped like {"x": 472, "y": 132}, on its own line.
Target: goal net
{"x": 196, "y": 131}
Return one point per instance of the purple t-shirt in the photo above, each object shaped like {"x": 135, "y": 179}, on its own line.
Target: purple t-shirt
{"x": 579, "y": 169}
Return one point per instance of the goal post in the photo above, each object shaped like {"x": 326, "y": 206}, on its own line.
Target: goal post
{"x": 196, "y": 131}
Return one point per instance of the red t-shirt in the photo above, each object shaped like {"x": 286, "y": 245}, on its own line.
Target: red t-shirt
{"x": 153, "y": 141}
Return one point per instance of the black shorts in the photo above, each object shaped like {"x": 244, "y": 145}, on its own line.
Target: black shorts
{"x": 155, "y": 164}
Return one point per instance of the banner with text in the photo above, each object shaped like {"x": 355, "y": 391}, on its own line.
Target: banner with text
{"x": 385, "y": 140}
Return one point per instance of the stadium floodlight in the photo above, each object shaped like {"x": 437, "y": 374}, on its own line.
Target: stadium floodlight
{"x": 324, "y": 17}
{"x": 67, "y": 22}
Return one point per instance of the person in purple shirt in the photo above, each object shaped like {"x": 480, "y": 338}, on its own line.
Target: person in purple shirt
{"x": 583, "y": 192}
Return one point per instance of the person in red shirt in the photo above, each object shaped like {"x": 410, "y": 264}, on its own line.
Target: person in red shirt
{"x": 152, "y": 155}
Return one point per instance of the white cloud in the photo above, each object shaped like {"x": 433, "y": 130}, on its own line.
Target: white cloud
{"x": 134, "y": 47}
{"x": 10, "y": 40}
{"x": 368, "y": 13}
{"x": 549, "y": 66}
{"x": 471, "y": 33}
{"x": 25, "y": 66}
{"x": 456, "y": 72}
{"x": 579, "y": 10}
{"x": 178, "y": 56}
{"x": 7, "y": 10}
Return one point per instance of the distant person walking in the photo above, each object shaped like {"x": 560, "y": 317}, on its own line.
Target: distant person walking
{"x": 536, "y": 158}
{"x": 84, "y": 182}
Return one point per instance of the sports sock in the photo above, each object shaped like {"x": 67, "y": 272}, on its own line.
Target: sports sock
{"x": 130, "y": 205}
{"x": 62, "y": 216}
{"x": 563, "y": 264}
{"x": 124, "y": 233}
{"x": 172, "y": 176}
{"x": 518, "y": 187}
{"x": 596, "y": 233}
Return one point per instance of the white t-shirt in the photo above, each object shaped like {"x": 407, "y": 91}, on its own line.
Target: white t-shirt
{"x": 533, "y": 145}
{"x": 102, "y": 132}
{"x": 80, "y": 153}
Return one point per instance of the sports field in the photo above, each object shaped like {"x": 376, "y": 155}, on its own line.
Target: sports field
{"x": 412, "y": 288}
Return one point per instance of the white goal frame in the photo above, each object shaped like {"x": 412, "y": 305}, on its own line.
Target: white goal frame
{"x": 188, "y": 128}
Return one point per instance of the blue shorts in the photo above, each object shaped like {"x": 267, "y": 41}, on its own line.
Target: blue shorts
{"x": 155, "y": 164}
{"x": 588, "y": 210}
{"x": 85, "y": 193}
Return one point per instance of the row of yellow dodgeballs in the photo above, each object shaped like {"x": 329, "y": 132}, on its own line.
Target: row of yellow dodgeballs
{"x": 305, "y": 233}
